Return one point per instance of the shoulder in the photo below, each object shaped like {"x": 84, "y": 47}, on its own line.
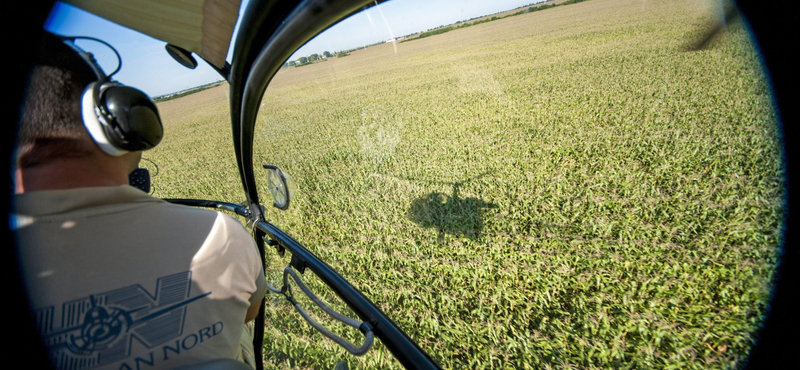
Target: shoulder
{"x": 230, "y": 237}
{"x": 231, "y": 224}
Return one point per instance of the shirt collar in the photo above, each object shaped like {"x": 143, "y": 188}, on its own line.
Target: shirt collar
{"x": 53, "y": 202}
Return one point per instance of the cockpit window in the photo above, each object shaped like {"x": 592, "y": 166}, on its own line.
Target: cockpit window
{"x": 562, "y": 184}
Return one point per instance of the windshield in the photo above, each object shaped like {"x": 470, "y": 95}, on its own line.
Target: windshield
{"x": 565, "y": 184}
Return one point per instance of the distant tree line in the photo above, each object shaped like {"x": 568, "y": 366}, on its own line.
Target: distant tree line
{"x": 306, "y": 60}
{"x": 168, "y": 97}
{"x": 463, "y": 24}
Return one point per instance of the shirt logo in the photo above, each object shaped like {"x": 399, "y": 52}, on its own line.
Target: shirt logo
{"x": 99, "y": 329}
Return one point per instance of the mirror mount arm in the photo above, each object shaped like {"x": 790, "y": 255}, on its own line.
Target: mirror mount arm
{"x": 186, "y": 59}
{"x": 224, "y": 71}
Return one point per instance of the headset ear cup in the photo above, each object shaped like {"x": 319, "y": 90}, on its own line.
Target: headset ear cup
{"x": 133, "y": 122}
{"x": 92, "y": 121}
{"x": 120, "y": 119}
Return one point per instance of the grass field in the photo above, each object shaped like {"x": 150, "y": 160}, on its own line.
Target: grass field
{"x": 568, "y": 188}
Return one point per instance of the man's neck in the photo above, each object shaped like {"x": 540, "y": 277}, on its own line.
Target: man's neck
{"x": 70, "y": 174}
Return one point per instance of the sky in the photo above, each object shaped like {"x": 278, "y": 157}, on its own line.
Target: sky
{"x": 147, "y": 66}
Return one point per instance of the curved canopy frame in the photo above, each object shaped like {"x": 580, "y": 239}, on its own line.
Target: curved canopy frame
{"x": 270, "y": 32}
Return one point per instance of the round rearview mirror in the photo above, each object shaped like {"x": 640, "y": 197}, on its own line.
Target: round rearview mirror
{"x": 279, "y": 185}
{"x": 182, "y": 56}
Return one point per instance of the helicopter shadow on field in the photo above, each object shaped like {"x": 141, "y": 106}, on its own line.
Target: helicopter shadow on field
{"x": 450, "y": 214}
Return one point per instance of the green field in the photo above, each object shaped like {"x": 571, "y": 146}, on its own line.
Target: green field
{"x": 568, "y": 188}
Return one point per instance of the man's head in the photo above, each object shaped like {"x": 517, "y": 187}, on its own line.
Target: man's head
{"x": 51, "y": 126}
{"x": 53, "y": 134}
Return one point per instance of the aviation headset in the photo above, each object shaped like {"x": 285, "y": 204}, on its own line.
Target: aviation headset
{"x": 119, "y": 118}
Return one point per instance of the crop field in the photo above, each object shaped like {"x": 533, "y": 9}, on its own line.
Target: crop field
{"x": 565, "y": 189}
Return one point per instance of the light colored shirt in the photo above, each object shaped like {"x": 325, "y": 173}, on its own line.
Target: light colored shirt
{"x": 119, "y": 279}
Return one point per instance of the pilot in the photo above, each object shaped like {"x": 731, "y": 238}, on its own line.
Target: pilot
{"x": 117, "y": 278}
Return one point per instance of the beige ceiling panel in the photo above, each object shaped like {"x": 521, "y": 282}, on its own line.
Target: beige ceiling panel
{"x": 204, "y": 27}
